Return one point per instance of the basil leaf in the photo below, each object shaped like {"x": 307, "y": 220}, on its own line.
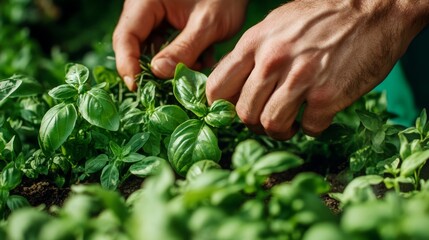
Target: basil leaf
{"x": 76, "y": 74}
{"x": 96, "y": 164}
{"x": 7, "y": 87}
{"x": 110, "y": 177}
{"x": 153, "y": 144}
{"x": 57, "y": 125}
{"x": 133, "y": 157}
{"x": 148, "y": 95}
{"x": 276, "y": 162}
{"x": 413, "y": 162}
{"x": 146, "y": 167}
{"x": 221, "y": 114}
{"x": 104, "y": 75}
{"x": 10, "y": 177}
{"x": 189, "y": 89}
{"x": 28, "y": 87}
{"x": 98, "y": 108}
{"x": 369, "y": 120}
{"x": 63, "y": 91}
{"x": 200, "y": 167}
{"x": 137, "y": 141}
{"x": 15, "y": 202}
{"x": 247, "y": 153}
{"x": 166, "y": 118}
{"x": 192, "y": 141}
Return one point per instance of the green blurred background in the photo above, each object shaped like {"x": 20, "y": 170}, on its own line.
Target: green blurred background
{"x": 38, "y": 37}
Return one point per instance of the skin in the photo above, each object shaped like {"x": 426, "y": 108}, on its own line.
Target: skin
{"x": 311, "y": 54}
{"x": 202, "y": 23}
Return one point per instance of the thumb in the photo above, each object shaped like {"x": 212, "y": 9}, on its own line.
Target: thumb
{"x": 185, "y": 48}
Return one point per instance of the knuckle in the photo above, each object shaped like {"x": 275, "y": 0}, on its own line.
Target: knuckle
{"x": 272, "y": 126}
{"x": 312, "y": 129}
{"x": 247, "y": 117}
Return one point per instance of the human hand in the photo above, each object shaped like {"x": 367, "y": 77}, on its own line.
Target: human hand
{"x": 202, "y": 22}
{"x": 323, "y": 55}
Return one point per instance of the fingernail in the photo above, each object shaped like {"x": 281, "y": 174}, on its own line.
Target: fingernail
{"x": 164, "y": 66}
{"x": 129, "y": 81}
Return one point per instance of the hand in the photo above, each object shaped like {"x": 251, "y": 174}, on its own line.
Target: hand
{"x": 322, "y": 55}
{"x": 202, "y": 22}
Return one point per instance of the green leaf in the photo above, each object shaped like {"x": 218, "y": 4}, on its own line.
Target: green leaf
{"x": 110, "y": 177}
{"x": 166, "y": 118}
{"x": 192, "y": 141}
{"x": 369, "y": 120}
{"x": 98, "y": 108}
{"x": 148, "y": 95}
{"x": 137, "y": 141}
{"x": 133, "y": 157}
{"x": 247, "y": 153}
{"x": 15, "y": 202}
{"x": 28, "y": 87}
{"x": 146, "y": 167}
{"x": 57, "y": 125}
{"x": 189, "y": 89}
{"x": 7, "y": 87}
{"x": 77, "y": 74}
{"x": 26, "y": 223}
{"x": 10, "y": 177}
{"x": 276, "y": 162}
{"x": 153, "y": 144}
{"x": 221, "y": 114}
{"x": 95, "y": 164}
{"x": 421, "y": 121}
{"x": 104, "y": 75}
{"x": 63, "y": 91}
{"x": 311, "y": 182}
{"x": 200, "y": 167}
{"x": 413, "y": 162}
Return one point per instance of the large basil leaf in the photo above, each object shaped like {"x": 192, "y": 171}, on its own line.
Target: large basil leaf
{"x": 7, "y": 87}
{"x": 276, "y": 162}
{"x": 28, "y": 87}
{"x": 221, "y": 114}
{"x": 98, "y": 108}
{"x": 77, "y": 74}
{"x": 192, "y": 141}
{"x": 166, "y": 118}
{"x": 57, "y": 125}
{"x": 189, "y": 89}
{"x": 146, "y": 167}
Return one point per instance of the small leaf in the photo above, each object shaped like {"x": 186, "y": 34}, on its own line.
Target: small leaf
{"x": 104, "y": 75}
{"x": 110, "y": 177}
{"x": 148, "y": 95}
{"x": 276, "y": 162}
{"x": 98, "y": 108}
{"x": 221, "y": 114}
{"x": 421, "y": 121}
{"x": 57, "y": 125}
{"x": 413, "y": 162}
{"x": 192, "y": 141}
{"x": 166, "y": 118}
{"x": 247, "y": 153}
{"x": 96, "y": 164}
{"x": 200, "y": 167}
{"x": 189, "y": 89}
{"x": 63, "y": 91}
{"x": 10, "y": 177}
{"x": 133, "y": 157}
{"x": 15, "y": 202}
{"x": 369, "y": 120}
{"x": 137, "y": 141}
{"x": 146, "y": 167}
{"x": 77, "y": 74}
{"x": 7, "y": 87}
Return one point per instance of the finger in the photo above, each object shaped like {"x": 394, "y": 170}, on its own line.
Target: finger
{"x": 280, "y": 111}
{"x": 254, "y": 94}
{"x": 318, "y": 113}
{"x": 185, "y": 48}
{"x": 137, "y": 20}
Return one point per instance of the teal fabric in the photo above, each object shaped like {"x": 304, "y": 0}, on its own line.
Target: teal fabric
{"x": 400, "y": 100}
